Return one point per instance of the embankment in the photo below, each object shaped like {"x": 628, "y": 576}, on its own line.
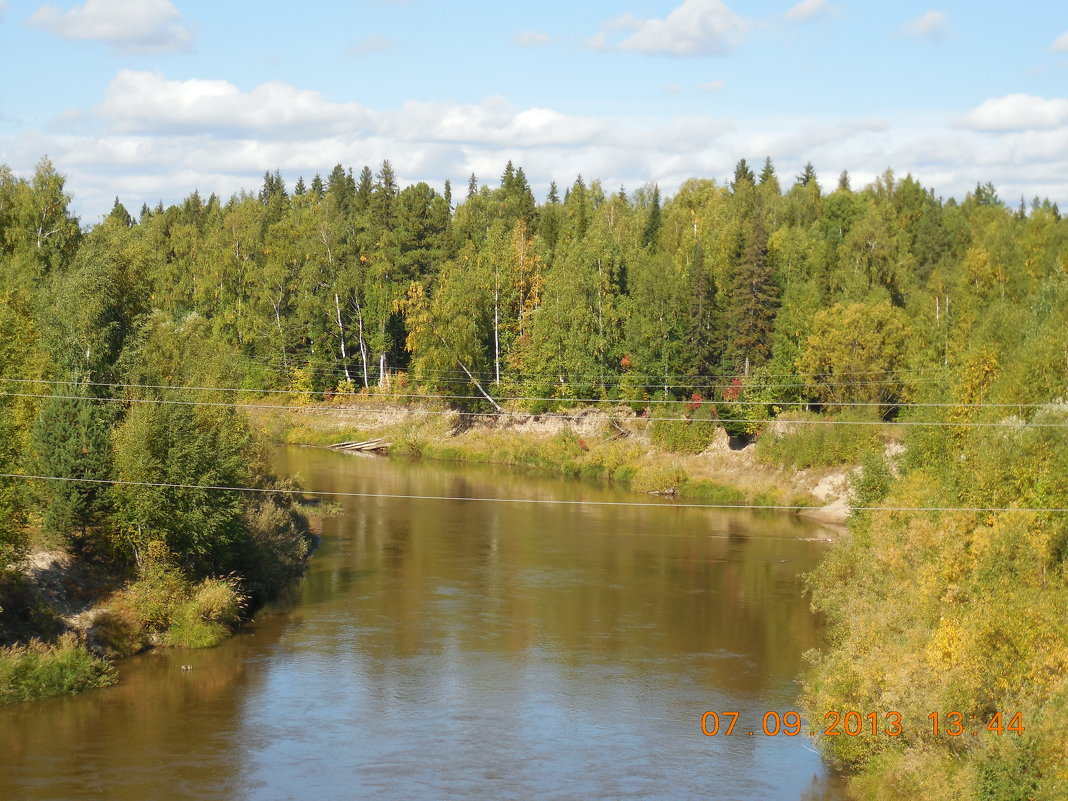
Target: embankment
{"x": 600, "y": 444}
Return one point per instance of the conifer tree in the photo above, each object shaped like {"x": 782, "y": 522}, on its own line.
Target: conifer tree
{"x": 71, "y": 440}
{"x": 753, "y": 303}
{"x": 653, "y": 221}
{"x": 742, "y": 175}
{"x": 365, "y": 189}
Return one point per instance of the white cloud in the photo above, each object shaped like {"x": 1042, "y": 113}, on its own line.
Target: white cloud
{"x": 370, "y": 44}
{"x": 1018, "y": 112}
{"x": 931, "y": 26}
{"x": 151, "y": 138}
{"x": 807, "y": 9}
{"x": 146, "y": 26}
{"x": 713, "y": 86}
{"x": 531, "y": 39}
{"x": 146, "y": 102}
{"x": 1061, "y": 45}
{"x": 696, "y": 27}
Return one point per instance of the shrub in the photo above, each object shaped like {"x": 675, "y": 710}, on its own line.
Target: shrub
{"x": 119, "y": 630}
{"x": 815, "y": 444}
{"x": 657, "y": 478}
{"x": 161, "y": 605}
{"x": 677, "y": 435}
{"x": 39, "y": 670}
{"x": 206, "y": 618}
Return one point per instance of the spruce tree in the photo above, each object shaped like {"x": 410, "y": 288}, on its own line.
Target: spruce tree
{"x": 767, "y": 173}
{"x": 742, "y": 174}
{"x": 653, "y": 221}
{"x": 753, "y": 302}
{"x": 705, "y": 330}
{"x": 71, "y": 440}
{"x": 365, "y": 189}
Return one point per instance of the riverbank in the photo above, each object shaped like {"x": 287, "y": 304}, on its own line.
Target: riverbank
{"x": 598, "y": 444}
{"x": 68, "y": 620}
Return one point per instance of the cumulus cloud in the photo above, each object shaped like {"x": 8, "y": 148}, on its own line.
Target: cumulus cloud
{"x": 931, "y": 26}
{"x": 151, "y": 138}
{"x": 807, "y": 9}
{"x": 143, "y": 27}
{"x": 713, "y": 86}
{"x": 1059, "y": 46}
{"x": 1017, "y": 112}
{"x": 531, "y": 39}
{"x": 696, "y": 27}
{"x": 148, "y": 103}
{"x": 370, "y": 44}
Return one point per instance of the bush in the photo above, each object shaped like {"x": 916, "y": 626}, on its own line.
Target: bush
{"x": 162, "y": 606}
{"x": 275, "y": 547}
{"x": 206, "y": 618}
{"x": 658, "y": 478}
{"x": 119, "y": 631}
{"x": 815, "y": 444}
{"x": 677, "y": 435}
{"x": 39, "y": 670}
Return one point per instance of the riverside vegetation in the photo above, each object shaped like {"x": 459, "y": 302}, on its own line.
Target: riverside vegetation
{"x": 853, "y": 313}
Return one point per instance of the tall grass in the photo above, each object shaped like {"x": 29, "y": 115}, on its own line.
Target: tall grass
{"x": 41, "y": 670}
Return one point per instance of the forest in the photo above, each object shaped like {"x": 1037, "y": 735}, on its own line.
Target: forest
{"x": 126, "y": 344}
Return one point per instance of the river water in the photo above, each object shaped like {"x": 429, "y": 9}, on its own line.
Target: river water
{"x": 468, "y": 650}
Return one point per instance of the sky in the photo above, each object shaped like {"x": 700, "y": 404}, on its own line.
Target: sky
{"x": 148, "y": 100}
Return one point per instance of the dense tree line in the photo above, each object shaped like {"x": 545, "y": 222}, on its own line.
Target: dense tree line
{"x": 763, "y": 291}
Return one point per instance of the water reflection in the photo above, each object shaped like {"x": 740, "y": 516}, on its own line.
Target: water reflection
{"x": 468, "y": 650}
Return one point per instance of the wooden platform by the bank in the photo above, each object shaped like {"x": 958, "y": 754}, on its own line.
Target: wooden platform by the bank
{"x": 364, "y": 446}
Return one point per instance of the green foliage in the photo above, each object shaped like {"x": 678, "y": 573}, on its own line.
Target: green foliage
{"x": 746, "y": 295}
{"x": 183, "y": 447}
{"x": 39, "y": 670}
{"x": 71, "y": 440}
{"x": 163, "y": 606}
{"x": 813, "y": 443}
{"x": 856, "y": 342}
{"x": 686, "y": 430}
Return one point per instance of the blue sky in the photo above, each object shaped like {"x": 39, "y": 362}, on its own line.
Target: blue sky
{"x": 149, "y": 99}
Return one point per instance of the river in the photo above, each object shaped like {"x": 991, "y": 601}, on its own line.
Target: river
{"x": 468, "y": 650}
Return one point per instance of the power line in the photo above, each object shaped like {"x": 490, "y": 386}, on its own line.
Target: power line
{"x": 610, "y": 377}
{"x": 536, "y": 501}
{"x": 506, "y": 398}
{"x": 563, "y": 416}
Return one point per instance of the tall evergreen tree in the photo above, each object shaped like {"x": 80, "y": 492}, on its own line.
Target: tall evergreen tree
{"x": 653, "y": 221}
{"x": 705, "y": 331}
{"x": 753, "y": 303}
{"x": 71, "y": 438}
{"x": 743, "y": 174}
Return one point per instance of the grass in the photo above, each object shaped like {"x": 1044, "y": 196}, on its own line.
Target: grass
{"x": 163, "y": 607}
{"x": 41, "y": 670}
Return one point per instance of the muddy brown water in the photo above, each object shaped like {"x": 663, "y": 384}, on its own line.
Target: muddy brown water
{"x": 468, "y": 650}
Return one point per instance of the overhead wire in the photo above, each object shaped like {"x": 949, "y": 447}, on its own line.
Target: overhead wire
{"x": 507, "y": 398}
{"x": 616, "y": 418}
{"x": 537, "y": 501}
